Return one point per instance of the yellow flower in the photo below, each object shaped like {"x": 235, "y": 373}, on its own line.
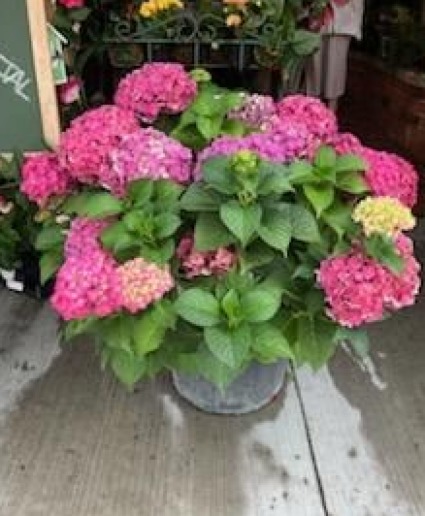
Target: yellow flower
{"x": 233, "y": 20}
{"x": 151, "y": 8}
{"x": 383, "y": 215}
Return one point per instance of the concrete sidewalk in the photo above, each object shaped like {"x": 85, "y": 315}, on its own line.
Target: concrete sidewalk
{"x": 344, "y": 442}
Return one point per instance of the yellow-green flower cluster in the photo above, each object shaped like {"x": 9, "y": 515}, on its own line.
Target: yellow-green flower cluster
{"x": 383, "y": 215}
{"x": 152, "y": 8}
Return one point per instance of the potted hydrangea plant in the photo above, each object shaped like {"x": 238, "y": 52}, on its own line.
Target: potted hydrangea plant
{"x": 241, "y": 235}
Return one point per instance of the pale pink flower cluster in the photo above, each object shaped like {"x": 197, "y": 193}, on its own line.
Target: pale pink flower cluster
{"x": 43, "y": 177}
{"x": 87, "y": 285}
{"x": 257, "y": 111}
{"x": 146, "y": 153}
{"x": 143, "y": 283}
{"x": 390, "y": 175}
{"x": 83, "y": 237}
{"x": 320, "y": 121}
{"x": 360, "y": 290}
{"x": 196, "y": 263}
{"x": 156, "y": 88}
{"x": 85, "y": 146}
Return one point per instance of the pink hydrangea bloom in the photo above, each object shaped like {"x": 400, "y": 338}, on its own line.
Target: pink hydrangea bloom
{"x": 320, "y": 121}
{"x": 146, "y": 153}
{"x": 70, "y": 91}
{"x": 43, "y": 177}
{"x": 390, "y": 175}
{"x": 282, "y": 143}
{"x": 345, "y": 143}
{"x": 72, "y": 4}
{"x": 87, "y": 285}
{"x": 257, "y": 111}
{"x": 403, "y": 288}
{"x": 143, "y": 283}
{"x": 86, "y": 144}
{"x": 83, "y": 237}
{"x": 196, "y": 263}
{"x": 360, "y": 290}
{"x": 156, "y": 88}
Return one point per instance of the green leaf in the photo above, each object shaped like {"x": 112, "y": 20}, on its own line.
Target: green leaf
{"x": 49, "y": 237}
{"x": 260, "y": 305}
{"x": 383, "y": 249}
{"x": 276, "y": 230}
{"x": 166, "y": 224}
{"x": 349, "y": 163}
{"x": 300, "y": 172}
{"x": 209, "y": 127}
{"x": 321, "y": 196}
{"x": 211, "y": 233}
{"x": 117, "y": 238}
{"x": 304, "y": 225}
{"x": 275, "y": 183}
{"x": 140, "y": 191}
{"x": 215, "y": 370}
{"x": 357, "y": 338}
{"x": 79, "y": 14}
{"x": 98, "y": 205}
{"x": 352, "y": 182}
{"x": 79, "y": 327}
{"x": 161, "y": 254}
{"x": 128, "y": 368}
{"x": 167, "y": 192}
{"x": 325, "y": 158}
{"x": 315, "y": 342}
{"x": 270, "y": 344}
{"x": 148, "y": 333}
{"x": 197, "y": 198}
{"x": 338, "y": 217}
{"x": 304, "y": 271}
{"x": 243, "y": 221}
{"x": 231, "y": 304}
{"x": 233, "y": 127}
{"x": 50, "y": 263}
{"x": 216, "y": 172}
{"x": 198, "y": 307}
{"x": 304, "y": 42}
{"x": 230, "y": 346}
{"x": 135, "y": 220}
{"x": 256, "y": 255}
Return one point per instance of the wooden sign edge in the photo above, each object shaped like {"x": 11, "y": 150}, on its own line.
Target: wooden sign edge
{"x": 49, "y": 112}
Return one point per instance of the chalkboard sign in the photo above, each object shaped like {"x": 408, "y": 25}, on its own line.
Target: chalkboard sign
{"x": 28, "y": 106}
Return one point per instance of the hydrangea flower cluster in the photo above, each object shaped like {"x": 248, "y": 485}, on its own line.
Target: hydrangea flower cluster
{"x": 389, "y": 174}
{"x": 196, "y": 263}
{"x": 360, "y": 290}
{"x": 146, "y": 153}
{"x": 257, "y": 111}
{"x": 320, "y": 121}
{"x": 156, "y": 88}
{"x": 87, "y": 285}
{"x": 142, "y": 283}
{"x": 383, "y": 215}
{"x": 345, "y": 143}
{"x": 85, "y": 146}
{"x": 43, "y": 177}
{"x": 83, "y": 237}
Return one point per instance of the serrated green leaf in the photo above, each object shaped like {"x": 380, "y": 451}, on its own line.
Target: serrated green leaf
{"x": 338, "y": 217}
{"x": 50, "y": 263}
{"x": 140, "y": 191}
{"x": 352, "y": 182}
{"x": 325, "y": 158}
{"x": 315, "y": 343}
{"x": 49, "y": 237}
{"x": 242, "y": 221}
{"x": 97, "y": 205}
{"x": 270, "y": 344}
{"x": 148, "y": 333}
{"x": 117, "y": 238}
{"x": 260, "y": 305}
{"x": 276, "y": 230}
{"x": 215, "y": 172}
{"x": 300, "y": 172}
{"x": 383, "y": 249}
{"x": 209, "y": 126}
{"x": 166, "y": 224}
{"x": 321, "y": 196}
{"x": 167, "y": 192}
{"x": 349, "y": 163}
{"x": 198, "y": 307}
{"x": 229, "y": 346}
{"x": 211, "y": 233}
{"x": 275, "y": 183}
{"x": 128, "y": 368}
{"x": 197, "y": 198}
{"x": 231, "y": 304}
{"x": 304, "y": 225}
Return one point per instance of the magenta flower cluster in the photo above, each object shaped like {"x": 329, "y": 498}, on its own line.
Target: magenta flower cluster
{"x": 320, "y": 121}
{"x": 256, "y": 111}
{"x": 360, "y": 290}
{"x": 206, "y": 263}
{"x": 146, "y": 153}
{"x": 84, "y": 147}
{"x": 43, "y": 177}
{"x": 83, "y": 237}
{"x": 156, "y": 88}
{"x": 390, "y": 175}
